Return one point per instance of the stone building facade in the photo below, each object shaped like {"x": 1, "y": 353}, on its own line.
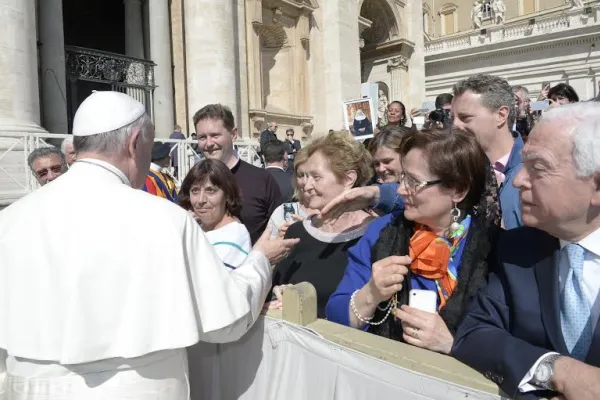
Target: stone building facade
{"x": 289, "y": 61}
{"x": 534, "y": 42}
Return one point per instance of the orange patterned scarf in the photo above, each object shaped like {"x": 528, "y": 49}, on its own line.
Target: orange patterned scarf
{"x": 430, "y": 256}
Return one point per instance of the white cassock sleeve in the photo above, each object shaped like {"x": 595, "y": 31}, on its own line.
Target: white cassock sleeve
{"x": 248, "y": 277}
{"x": 228, "y": 302}
{"x": 2, "y": 373}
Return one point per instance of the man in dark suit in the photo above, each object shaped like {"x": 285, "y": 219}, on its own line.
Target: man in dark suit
{"x": 276, "y": 163}
{"x": 532, "y": 330}
{"x": 292, "y": 146}
{"x": 267, "y": 135}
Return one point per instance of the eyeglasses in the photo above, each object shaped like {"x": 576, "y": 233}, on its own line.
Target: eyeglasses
{"x": 414, "y": 185}
{"x": 42, "y": 173}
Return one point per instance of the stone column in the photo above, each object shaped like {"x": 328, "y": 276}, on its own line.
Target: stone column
{"x": 397, "y": 68}
{"x": 211, "y": 56}
{"x": 179, "y": 74}
{"x": 134, "y": 32}
{"x": 52, "y": 60}
{"x": 19, "y": 93}
{"x": 160, "y": 53}
{"x": 415, "y": 86}
{"x": 341, "y": 58}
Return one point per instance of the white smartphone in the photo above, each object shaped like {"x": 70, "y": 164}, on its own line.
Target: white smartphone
{"x": 424, "y": 300}
{"x": 540, "y": 105}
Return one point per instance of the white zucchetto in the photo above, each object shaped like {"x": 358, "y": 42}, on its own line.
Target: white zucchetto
{"x": 104, "y": 112}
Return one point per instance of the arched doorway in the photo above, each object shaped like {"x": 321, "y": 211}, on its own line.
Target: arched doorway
{"x": 384, "y": 52}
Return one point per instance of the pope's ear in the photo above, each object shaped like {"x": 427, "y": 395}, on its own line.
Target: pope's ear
{"x": 134, "y": 140}
{"x": 596, "y": 194}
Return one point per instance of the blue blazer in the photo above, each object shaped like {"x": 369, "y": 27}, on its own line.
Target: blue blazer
{"x": 508, "y": 194}
{"x": 515, "y": 319}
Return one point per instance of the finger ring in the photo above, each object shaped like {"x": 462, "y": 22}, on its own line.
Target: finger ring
{"x": 415, "y": 333}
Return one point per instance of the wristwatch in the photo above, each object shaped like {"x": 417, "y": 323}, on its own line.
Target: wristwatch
{"x": 544, "y": 373}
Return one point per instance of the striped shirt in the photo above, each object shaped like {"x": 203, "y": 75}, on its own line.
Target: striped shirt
{"x": 231, "y": 242}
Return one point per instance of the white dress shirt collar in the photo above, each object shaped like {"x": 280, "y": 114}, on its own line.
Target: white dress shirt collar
{"x": 274, "y": 166}
{"x": 107, "y": 166}
{"x": 155, "y": 167}
{"x": 590, "y": 243}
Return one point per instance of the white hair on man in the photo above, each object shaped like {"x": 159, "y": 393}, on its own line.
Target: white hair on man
{"x": 583, "y": 119}
{"x": 115, "y": 141}
{"x": 520, "y": 88}
{"x": 66, "y": 141}
{"x": 122, "y": 134}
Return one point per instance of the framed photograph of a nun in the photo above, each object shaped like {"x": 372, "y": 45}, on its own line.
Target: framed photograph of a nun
{"x": 360, "y": 118}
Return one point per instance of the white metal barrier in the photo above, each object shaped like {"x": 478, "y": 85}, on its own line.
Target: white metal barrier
{"x": 16, "y": 179}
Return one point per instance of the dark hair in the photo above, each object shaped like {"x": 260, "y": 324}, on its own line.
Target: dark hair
{"x": 564, "y": 90}
{"x": 46, "y": 152}
{"x": 403, "y": 119}
{"x": 219, "y": 175}
{"x": 443, "y": 99}
{"x": 289, "y": 130}
{"x": 389, "y": 136}
{"x": 495, "y": 93}
{"x": 218, "y": 112}
{"x": 455, "y": 157}
{"x": 274, "y": 151}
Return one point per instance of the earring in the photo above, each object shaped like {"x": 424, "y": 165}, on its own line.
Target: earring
{"x": 455, "y": 212}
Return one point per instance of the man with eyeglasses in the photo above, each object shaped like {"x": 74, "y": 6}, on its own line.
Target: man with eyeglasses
{"x": 292, "y": 146}
{"x": 523, "y": 122}
{"x": 47, "y": 164}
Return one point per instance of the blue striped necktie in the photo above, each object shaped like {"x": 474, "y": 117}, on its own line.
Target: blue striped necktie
{"x": 575, "y": 310}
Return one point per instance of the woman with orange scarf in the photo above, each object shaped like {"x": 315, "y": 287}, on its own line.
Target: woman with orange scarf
{"x": 440, "y": 242}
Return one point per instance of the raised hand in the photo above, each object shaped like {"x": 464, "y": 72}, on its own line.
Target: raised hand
{"x": 275, "y": 249}
{"x": 353, "y": 200}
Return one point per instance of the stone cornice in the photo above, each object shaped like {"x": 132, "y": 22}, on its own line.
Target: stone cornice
{"x": 398, "y": 47}
{"x": 539, "y": 25}
{"x": 511, "y": 48}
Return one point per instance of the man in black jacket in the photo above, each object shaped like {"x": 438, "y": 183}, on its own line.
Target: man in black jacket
{"x": 267, "y": 135}
{"x": 292, "y": 146}
{"x": 276, "y": 163}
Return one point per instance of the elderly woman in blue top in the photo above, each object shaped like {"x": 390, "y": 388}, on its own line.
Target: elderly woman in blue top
{"x": 439, "y": 242}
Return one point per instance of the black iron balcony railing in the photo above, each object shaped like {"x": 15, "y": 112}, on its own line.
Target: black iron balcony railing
{"x": 102, "y": 66}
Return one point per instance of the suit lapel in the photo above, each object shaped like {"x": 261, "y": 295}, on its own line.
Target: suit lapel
{"x": 546, "y": 274}
{"x": 593, "y": 356}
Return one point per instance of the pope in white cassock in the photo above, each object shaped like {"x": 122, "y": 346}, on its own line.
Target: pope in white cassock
{"x": 102, "y": 286}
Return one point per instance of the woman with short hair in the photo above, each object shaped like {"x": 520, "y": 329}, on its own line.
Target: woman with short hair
{"x": 288, "y": 213}
{"x": 439, "y": 243}
{"x": 211, "y": 194}
{"x": 561, "y": 94}
{"x": 335, "y": 164}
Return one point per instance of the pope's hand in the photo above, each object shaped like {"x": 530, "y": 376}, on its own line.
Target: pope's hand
{"x": 275, "y": 249}
{"x": 284, "y": 227}
{"x": 353, "y": 200}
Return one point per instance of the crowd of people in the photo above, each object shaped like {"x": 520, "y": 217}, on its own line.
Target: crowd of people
{"x": 489, "y": 214}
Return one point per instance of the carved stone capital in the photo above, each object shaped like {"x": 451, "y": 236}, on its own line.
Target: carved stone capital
{"x": 399, "y": 62}
{"x": 277, "y": 13}
{"x": 307, "y": 128}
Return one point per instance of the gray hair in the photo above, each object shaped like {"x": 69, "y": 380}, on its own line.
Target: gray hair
{"x": 519, "y": 88}
{"x": 66, "y": 141}
{"x": 584, "y": 120}
{"x": 113, "y": 142}
{"x": 495, "y": 93}
{"x": 46, "y": 152}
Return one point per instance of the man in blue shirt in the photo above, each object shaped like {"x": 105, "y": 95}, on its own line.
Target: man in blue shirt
{"x": 484, "y": 106}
